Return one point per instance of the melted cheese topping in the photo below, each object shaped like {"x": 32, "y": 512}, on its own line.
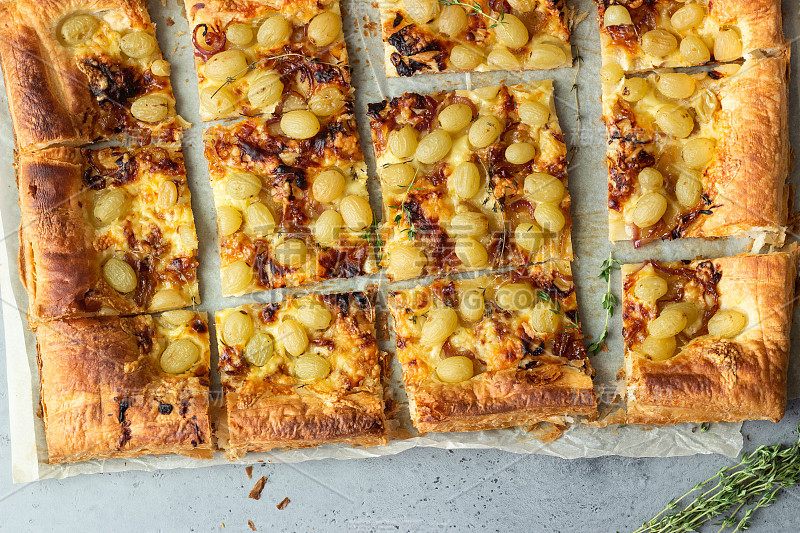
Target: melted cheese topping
{"x": 545, "y": 24}
{"x": 437, "y": 199}
{"x": 163, "y": 236}
{"x": 499, "y": 339}
{"x": 283, "y": 197}
{"x": 194, "y": 328}
{"x": 348, "y": 344}
{"x": 104, "y": 45}
{"x": 638, "y": 314}
{"x": 666, "y": 149}
{"x": 632, "y": 58}
{"x": 298, "y": 86}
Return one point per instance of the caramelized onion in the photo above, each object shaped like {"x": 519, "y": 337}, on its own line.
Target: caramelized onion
{"x": 207, "y": 41}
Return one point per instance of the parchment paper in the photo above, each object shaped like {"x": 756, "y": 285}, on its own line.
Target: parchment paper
{"x": 587, "y": 177}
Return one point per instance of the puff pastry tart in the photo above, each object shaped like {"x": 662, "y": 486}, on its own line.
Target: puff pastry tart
{"x": 426, "y": 36}
{"x": 471, "y": 179}
{"x": 639, "y": 35}
{"x": 124, "y": 387}
{"x": 708, "y": 341}
{"x": 495, "y": 351}
{"x": 80, "y": 71}
{"x": 302, "y": 373}
{"x": 698, "y": 155}
{"x": 269, "y": 56}
{"x": 292, "y": 203}
{"x": 106, "y": 231}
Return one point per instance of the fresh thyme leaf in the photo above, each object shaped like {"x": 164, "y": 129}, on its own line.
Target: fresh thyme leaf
{"x": 252, "y": 66}
{"x": 609, "y": 301}
{"x": 704, "y": 427}
{"x": 476, "y": 9}
{"x": 412, "y": 230}
{"x": 733, "y": 495}
{"x": 545, "y": 297}
{"x": 368, "y": 235}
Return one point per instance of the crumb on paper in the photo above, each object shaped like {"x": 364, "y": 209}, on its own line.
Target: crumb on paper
{"x": 180, "y": 33}
{"x": 222, "y": 524}
{"x": 383, "y": 325}
{"x": 252, "y": 525}
{"x": 281, "y": 506}
{"x": 255, "y": 492}
{"x": 249, "y": 471}
{"x": 170, "y": 21}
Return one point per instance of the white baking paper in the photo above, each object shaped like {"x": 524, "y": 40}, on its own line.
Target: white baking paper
{"x": 587, "y": 177}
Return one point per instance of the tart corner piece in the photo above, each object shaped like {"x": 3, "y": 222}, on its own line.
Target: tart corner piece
{"x": 124, "y": 387}
{"x": 708, "y": 341}
{"x": 106, "y": 231}
{"x": 302, "y": 373}
{"x": 471, "y": 179}
{"x": 495, "y": 351}
{"x": 429, "y": 36}
{"x": 639, "y": 36}
{"x": 248, "y": 55}
{"x": 701, "y": 155}
{"x": 75, "y": 77}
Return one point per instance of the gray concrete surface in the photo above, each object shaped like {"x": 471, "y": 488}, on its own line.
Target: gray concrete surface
{"x": 419, "y": 490}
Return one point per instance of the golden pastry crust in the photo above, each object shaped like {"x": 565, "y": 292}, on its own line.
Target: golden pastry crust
{"x": 73, "y": 95}
{"x": 418, "y": 47}
{"x": 751, "y": 165}
{"x": 104, "y": 395}
{"x": 287, "y": 170}
{"x": 63, "y": 246}
{"x": 721, "y": 379}
{"x": 529, "y": 364}
{"x": 424, "y": 214}
{"x": 320, "y": 67}
{"x": 758, "y": 23}
{"x": 275, "y": 404}
{"x": 744, "y": 187}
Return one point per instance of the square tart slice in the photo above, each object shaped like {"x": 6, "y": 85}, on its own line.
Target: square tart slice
{"x": 107, "y": 231}
{"x": 471, "y": 179}
{"x": 494, "y": 351}
{"x": 428, "y": 36}
{"x": 638, "y": 35}
{"x": 301, "y": 373}
{"x": 124, "y": 387}
{"x": 698, "y": 155}
{"x": 290, "y": 210}
{"x": 269, "y": 56}
{"x": 76, "y": 72}
{"x": 708, "y": 341}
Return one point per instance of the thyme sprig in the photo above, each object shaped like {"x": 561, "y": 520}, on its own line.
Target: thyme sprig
{"x": 252, "y": 66}
{"x": 609, "y": 300}
{"x": 412, "y": 230}
{"x": 374, "y": 230}
{"x": 574, "y": 149}
{"x": 735, "y": 492}
{"x": 474, "y": 9}
{"x": 545, "y": 297}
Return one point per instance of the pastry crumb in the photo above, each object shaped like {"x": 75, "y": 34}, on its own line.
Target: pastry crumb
{"x": 170, "y": 21}
{"x": 249, "y": 471}
{"x": 281, "y": 506}
{"x": 255, "y": 492}
{"x": 252, "y": 525}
